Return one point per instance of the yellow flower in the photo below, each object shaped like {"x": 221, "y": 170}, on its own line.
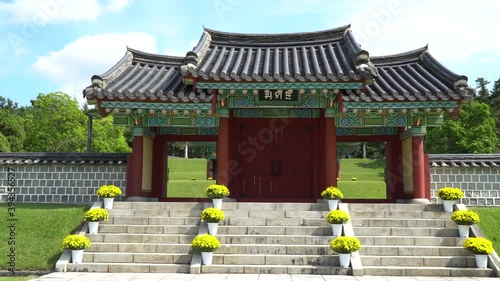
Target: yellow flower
{"x": 465, "y": 217}
{"x": 337, "y": 217}
{"x": 109, "y": 191}
{"x": 345, "y": 244}
{"x": 96, "y": 214}
{"x": 212, "y": 215}
{"x": 216, "y": 191}
{"x": 450, "y": 193}
{"x": 205, "y": 243}
{"x": 75, "y": 242}
{"x": 332, "y": 192}
{"x": 478, "y": 246}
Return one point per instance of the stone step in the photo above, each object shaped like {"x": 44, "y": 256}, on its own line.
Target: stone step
{"x": 252, "y": 206}
{"x": 136, "y": 220}
{"x": 238, "y": 221}
{"x": 140, "y": 248}
{"x": 155, "y": 213}
{"x": 128, "y": 267}
{"x": 427, "y": 271}
{"x": 371, "y": 250}
{"x": 272, "y": 249}
{"x": 276, "y": 230}
{"x": 405, "y": 231}
{"x": 156, "y": 258}
{"x": 396, "y": 207}
{"x": 432, "y": 261}
{"x": 149, "y": 229}
{"x": 140, "y": 238}
{"x": 159, "y": 205}
{"x": 276, "y": 269}
{"x": 237, "y": 259}
{"x": 410, "y": 241}
{"x": 383, "y": 222}
{"x": 275, "y": 239}
{"x": 400, "y": 215}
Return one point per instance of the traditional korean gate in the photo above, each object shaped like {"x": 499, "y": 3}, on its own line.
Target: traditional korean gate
{"x": 276, "y": 161}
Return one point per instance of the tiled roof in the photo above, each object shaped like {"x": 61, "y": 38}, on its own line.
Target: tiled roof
{"x": 412, "y": 76}
{"x": 140, "y": 75}
{"x": 330, "y": 55}
{"x": 465, "y": 160}
{"x": 61, "y": 158}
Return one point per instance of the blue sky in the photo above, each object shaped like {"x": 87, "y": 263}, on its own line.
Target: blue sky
{"x": 57, "y": 45}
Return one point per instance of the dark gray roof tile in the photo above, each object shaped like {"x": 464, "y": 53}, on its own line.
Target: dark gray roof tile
{"x": 279, "y": 57}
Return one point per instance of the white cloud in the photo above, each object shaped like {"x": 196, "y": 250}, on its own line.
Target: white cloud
{"x": 73, "y": 65}
{"x": 454, "y": 30}
{"x": 43, "y": 12}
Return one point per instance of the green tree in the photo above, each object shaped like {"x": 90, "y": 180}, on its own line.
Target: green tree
{"x": 4, "y": 143}
{"x": 12, "y": 128}
{"x": 483, "y": 94}
{"x": 55, "y": 123}
{"x": 471, "y": 132}
{"x": 108, "y": 138}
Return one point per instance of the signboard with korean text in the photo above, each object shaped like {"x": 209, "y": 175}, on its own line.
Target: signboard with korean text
{"x": 278, "y": 97}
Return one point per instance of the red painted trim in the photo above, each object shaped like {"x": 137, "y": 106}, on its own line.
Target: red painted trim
{"x": 330, "y": 153}
{"x": 134, "y": 168}
{"x": 394, "y": 169}
{"x": 160, "y": 165}
{"x": 427, "y": 172}
{"x": 223, "y": 173}
{"x": 418, "y": 164}
{"x": 365, "y": 138}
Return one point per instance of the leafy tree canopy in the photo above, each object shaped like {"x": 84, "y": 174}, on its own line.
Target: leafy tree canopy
{"x": 55, "y": 124}
{"x": 472, "y": 132}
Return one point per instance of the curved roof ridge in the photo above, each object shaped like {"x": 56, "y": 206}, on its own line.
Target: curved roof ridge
{"x": 155, "y": 58}
{"x": 306, "y": 36}
{"x": 441, "y": 70}
{"x": 404, "y": 57}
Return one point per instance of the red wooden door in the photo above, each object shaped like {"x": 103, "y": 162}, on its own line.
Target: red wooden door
{"x": 275, "y": 161}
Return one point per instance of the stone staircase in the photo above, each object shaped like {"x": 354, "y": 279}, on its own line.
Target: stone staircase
{"x": 277, "y": 238}
{"x": 143, "y": 237}
{"x": 411, "y": 240}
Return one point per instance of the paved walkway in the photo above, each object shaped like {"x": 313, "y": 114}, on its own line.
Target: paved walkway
{"x": 81, "y": 276}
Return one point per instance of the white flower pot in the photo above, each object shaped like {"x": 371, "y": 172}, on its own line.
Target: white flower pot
{"x": 463, "y": 231}
{"x": 217, "y": 203}
{"x": 448, "y": 205}
{"x": 206, "y": 258}
{"x": 333, "y": 204}
{"x": 76, "y": 256}
{"x": 108, "y": 203}
{"x": 212, "y": 228}
{"x": 337, "y": 229}
{"x": 93, "y": 227}
{"x": 345, "y": 259}
{"x": 481, "y": 261}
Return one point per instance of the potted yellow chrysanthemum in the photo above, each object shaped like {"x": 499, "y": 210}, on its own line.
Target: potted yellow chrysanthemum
{"x": 206, "y": 244}
{"x": 93, "y": 217}
{"x": 108, "y": 193}
{"x": 76, "y": 243}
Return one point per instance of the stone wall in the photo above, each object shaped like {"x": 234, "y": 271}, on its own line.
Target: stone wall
{"x": 477, "y": 175}
{"x": 75, "y": 177}
{"x": 60, "y": 177}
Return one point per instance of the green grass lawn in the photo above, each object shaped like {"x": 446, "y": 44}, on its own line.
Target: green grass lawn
{"x": 40, "y": 228}
{"x": 490, "y": 224}
{"x": 369, "y": 173}
{"x": 18, "y": 278}
{"x": 181, "y": 172}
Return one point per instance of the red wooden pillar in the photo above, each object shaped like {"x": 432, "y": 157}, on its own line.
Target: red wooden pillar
{"x": 394, "y": 169}
{"x": 418, "y": 167}
{"x": 330, "y": 153}
{"x": 134, "y": 168}
{"x": 160, "y": 165}
{"x": 223, "y": 152}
